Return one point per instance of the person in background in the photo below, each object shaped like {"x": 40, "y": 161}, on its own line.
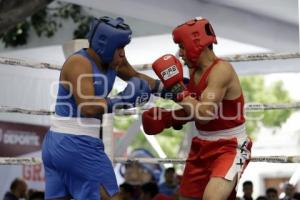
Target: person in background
{"x": 170, "y": 186}
{"x": 18, "y": 190}
{"x": 289, "y": 191}
{"x": 272, "y": 194}
{"x": 247, "y": 190}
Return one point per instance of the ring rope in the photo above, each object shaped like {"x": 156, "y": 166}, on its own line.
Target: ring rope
{"x": 30, "y": 64}
{"x": 250, "y": 106}
{"x": 272, "y": 106}
{"x": 261, "y": 56}
{"x": 9, "y": 109}
{"x": 269, "y": 159}
{"x": 233, "y": 58}
{"x": 38, "y": 160}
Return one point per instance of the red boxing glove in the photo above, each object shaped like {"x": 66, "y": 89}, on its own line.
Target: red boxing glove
{"x": 169, "y": 70}
{"x": 156, "y": 119}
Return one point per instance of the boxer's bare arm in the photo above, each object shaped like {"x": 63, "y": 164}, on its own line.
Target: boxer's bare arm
{"x": 77, "y": 71}
{"x": 126, "y": 71}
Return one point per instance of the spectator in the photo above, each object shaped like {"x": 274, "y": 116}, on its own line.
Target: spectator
{"x": 18, "y": 189}
{"x": 272, "y": 194}
{"x": 139, "y": 173}
{"x": 289, "y": 191}
{"x": 247, "y": 190}
{"x": 135, "y": 173}
{"x": 170, "y": 186}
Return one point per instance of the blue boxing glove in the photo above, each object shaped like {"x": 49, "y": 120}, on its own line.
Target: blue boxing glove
{"x": 158, "y": 88}
{"x": 136, "y": 93}
{"x": 167, "y": 94}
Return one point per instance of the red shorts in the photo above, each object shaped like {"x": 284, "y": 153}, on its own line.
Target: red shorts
{"x": 225, "y": 157}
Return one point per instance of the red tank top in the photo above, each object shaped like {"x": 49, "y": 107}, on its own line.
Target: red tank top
{"x": 230, "y": 112}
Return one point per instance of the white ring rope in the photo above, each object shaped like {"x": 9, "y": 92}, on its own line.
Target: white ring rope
{"x": 269, "y": 159}
{"x": 233, "y": 58}
{"x": 272, "y": 106}
{"x": 243, "y": 58}
{"x": 37, "y": 160}
{"x": 27, "y": 63}
{"x": 9, "y": 109}
{"x": 261, "y": 56}
{"x": 250, "y": 106}
{"x": 20, "y": 161}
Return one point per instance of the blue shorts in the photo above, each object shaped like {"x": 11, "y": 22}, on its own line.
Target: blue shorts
{"x": 76, "y": 166}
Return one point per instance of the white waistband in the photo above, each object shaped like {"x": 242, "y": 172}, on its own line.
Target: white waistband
{"x": 239, "y": 131}
{"x": 76, "y": 125}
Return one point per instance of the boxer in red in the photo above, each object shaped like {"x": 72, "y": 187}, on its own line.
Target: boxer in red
{"x": 214, "y": 100}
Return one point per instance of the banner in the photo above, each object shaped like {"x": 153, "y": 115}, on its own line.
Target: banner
{"x": 21, "y": 140}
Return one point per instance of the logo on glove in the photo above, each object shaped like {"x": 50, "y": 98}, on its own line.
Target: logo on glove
{"x": 167, "y": 57}
{"x": 142, "y": 100}
{"x": 169, "y": 72}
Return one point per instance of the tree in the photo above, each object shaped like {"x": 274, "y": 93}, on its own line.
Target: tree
{"x": 13, "y": 12}
{"x": 44, "y": 20}
{"x": 255, "y": 90}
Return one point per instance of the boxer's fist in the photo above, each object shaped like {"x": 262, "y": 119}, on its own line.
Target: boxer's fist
{"x": 156, "y": 119}
{"x": 136, "y": 93}
{"x": 169, "y": 70}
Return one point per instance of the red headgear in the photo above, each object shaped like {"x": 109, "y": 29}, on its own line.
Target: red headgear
{"x": 194, "y": 35}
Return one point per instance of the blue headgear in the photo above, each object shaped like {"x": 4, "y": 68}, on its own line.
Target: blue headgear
{"x": 106, "y": 35}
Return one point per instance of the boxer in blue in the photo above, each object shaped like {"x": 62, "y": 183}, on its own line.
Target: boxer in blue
{"x": 75, "y": 163}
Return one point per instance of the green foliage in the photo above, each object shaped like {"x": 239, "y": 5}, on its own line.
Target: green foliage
{"x": 123, "y": 122}
{"x": 46, "y": 23}
{"x": 256, "y": 91}
{"x": 43, "y": 24}
{"x": 170, "y": 140}
{"x": 83, "y": 27}
{"x": 141, "y": 142}
{"x": 16, "y": 36}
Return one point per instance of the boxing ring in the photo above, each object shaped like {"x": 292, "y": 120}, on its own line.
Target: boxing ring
{"x": 108, "y": 119}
